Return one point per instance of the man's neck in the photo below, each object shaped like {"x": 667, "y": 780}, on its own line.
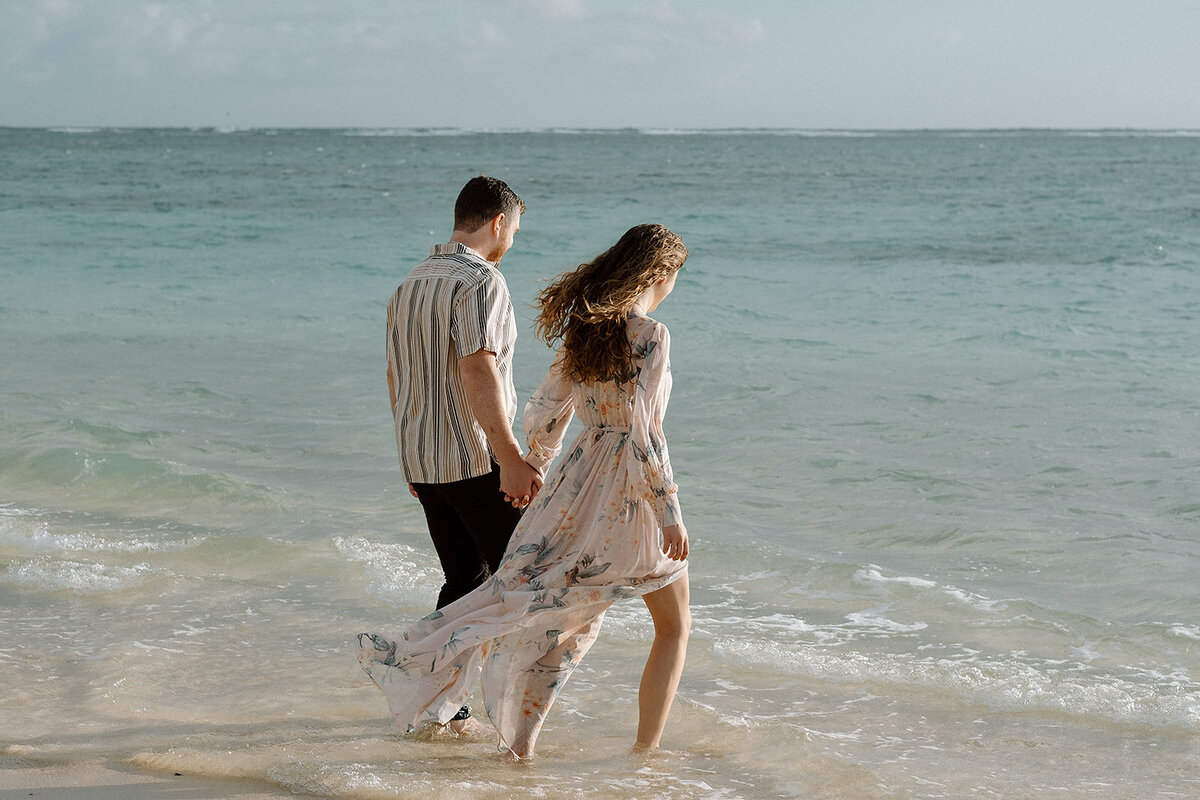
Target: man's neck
{"x": 477, "y": 243}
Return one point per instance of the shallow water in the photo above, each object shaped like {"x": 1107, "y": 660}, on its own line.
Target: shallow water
{"x": 934, "y": 423}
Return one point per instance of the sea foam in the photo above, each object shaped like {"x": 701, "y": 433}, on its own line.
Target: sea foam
{"x": 53, "y": 575}
{"x": 1013, "y": 683}
{"x": 392, "y": 570}
{"x": 32, "y": 535}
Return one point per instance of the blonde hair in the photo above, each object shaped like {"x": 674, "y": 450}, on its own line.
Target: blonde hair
{"x": 587, "y": 307}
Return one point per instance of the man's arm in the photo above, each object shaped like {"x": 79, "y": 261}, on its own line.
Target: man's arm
{"x": 481, "y": 381}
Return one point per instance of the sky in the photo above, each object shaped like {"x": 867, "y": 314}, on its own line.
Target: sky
{"x": 656, "y": 64}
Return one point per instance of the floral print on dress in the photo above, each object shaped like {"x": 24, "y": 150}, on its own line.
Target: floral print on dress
{"x": 592, "y": 536}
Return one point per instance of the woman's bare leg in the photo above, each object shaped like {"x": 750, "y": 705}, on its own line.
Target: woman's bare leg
{"x": 672, "y": 622}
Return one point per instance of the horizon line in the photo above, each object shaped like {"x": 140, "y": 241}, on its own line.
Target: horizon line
{"x": 626, "y": 129}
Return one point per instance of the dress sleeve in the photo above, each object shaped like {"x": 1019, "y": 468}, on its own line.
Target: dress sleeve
{"x": 546, "y": 417}
{"x": 646, "y": 431}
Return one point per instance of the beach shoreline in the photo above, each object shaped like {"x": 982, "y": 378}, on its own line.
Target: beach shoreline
{"x": 933, "y": 417}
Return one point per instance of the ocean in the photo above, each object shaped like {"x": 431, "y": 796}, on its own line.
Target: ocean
{"x": 936, "y": 426}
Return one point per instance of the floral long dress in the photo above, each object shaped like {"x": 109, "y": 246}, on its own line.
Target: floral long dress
{"x": 591, "y": 536}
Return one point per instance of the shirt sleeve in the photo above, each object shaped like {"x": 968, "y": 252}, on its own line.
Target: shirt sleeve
{"x": 391, "y": 333}
{"x": 481, "y": 316}
{"x": 649, "y": 442}
{"x": 546, "y": 417}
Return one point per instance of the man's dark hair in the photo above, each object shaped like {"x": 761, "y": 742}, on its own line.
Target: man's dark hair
{"x": 481, "y": 200}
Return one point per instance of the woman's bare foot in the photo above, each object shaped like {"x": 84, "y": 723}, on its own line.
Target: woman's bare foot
{"x": 470, "y": 729}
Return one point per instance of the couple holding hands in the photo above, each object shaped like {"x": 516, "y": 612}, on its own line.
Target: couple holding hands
{"x": 533, "y": 559}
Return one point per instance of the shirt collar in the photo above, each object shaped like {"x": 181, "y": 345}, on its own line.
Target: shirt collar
{"x": 457, "y": 248}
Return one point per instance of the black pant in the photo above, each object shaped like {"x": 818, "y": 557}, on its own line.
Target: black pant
{"x": 470, "y": 524}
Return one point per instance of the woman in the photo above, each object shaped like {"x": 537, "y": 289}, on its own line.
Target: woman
{"x": 605, "y": 525}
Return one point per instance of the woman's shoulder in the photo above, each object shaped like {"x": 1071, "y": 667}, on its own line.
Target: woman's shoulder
{"x": 643, "y": 327}
{"x": 647, "y": 335}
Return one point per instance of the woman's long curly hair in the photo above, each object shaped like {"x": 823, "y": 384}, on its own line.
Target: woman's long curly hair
{"x": 587, "y": 307}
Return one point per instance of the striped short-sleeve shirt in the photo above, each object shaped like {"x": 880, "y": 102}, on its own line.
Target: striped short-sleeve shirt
{"x": 451, "y": 305}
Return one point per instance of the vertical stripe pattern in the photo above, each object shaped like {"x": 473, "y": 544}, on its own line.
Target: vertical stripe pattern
{"x": 451, "y": 305}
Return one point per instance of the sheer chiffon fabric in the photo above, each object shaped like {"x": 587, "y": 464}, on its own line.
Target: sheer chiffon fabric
{"x": 592, "y": 536}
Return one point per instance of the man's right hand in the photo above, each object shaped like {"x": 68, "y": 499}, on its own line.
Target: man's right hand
{"x": 481, "y": 381}
{"x": 519, "y": 482}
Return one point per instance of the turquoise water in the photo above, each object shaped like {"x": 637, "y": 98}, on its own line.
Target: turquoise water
{"x": 934, "y": 422}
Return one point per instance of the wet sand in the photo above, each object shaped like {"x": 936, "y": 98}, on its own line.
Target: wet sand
{"x": 22, "y": 778}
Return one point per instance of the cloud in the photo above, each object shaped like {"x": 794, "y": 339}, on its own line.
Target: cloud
{"x": 726, "y": 29}
{"x": 210, "y": 38}
{"x": 660, "y": 12}
{"x": 478, "y": 40}
{"x": 948, "y": 36}
{"x": 737, "y": 78}
{"x": 629, "y": 54}
{"x": 555, "y": 10}
{"x": 699, "y": 26}
{"x": 143, "y": 37}
{"x": 58, "y": 9}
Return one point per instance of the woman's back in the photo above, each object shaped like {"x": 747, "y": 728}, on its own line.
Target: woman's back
{"x": 610, "y": 404}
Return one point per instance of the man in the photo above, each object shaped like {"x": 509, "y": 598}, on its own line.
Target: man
{"x": 451, "y": 331}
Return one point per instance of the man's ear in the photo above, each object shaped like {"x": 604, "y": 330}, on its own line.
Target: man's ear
{"x": 498, "y": 224}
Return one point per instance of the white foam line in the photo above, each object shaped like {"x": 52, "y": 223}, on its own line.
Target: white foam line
{"x": 874, "y": 574}
{"x": 53, "y": 575}
{"x": 1002, "y": 683}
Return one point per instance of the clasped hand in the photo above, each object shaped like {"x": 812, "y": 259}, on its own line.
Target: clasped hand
{"x": 520, "y": 484}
